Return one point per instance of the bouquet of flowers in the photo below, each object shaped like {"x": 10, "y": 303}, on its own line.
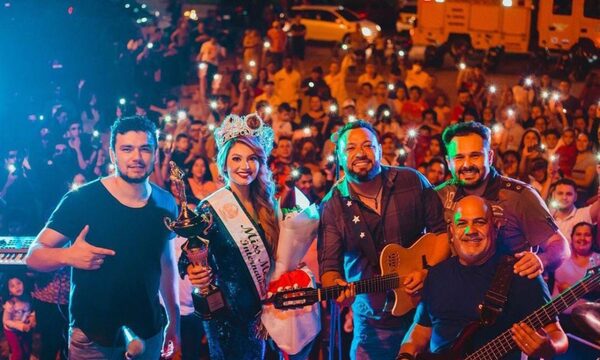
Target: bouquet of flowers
{"x": 292, "y": 330}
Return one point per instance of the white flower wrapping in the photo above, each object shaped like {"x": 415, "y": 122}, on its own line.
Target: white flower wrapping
{"x": 292, "y": 330}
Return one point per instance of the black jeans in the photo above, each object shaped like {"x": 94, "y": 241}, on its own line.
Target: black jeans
{"x": 53, "y": 326}
{"x": 192, "y": 333}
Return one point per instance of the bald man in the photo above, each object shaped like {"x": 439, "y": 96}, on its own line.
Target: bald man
{"x": 445, "y": 310}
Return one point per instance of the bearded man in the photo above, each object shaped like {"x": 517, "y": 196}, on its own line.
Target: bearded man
{"x": 526, "y": 221}
{"x": 111, "y": 231}
{"x": 372, "y": 206}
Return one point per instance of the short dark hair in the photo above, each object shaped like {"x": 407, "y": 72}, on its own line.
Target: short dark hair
{"x": 224, "y": 98}
{"x": 284, "y": 107}
{"x": 303, "y": 170}
{"x": 566, "y": 81}
{"x": 261, "y": 104}
{"x": 283, "y": 137}
{"x": 181, "y": 136}
{"x": 513, "y": 153}
{"x": 132, "y": 123}
{"x": 439, "y": 160}
{"x": 565, "y": 181}
{"x": 552, "y": 131}
{"x": 470, "y": 111}
{"x": 74, "y": 121}
{"x": 463, "y": 89}
{"x": 431, "y": 112}
{"x": 390, "y": 135}
{"x": 416, "y": 88}
{"x": 539, "y": 164}
{"x": 467, "y": 128}
{"x": 359, "y": 124}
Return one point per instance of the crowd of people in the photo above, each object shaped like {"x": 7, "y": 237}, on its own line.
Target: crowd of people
{"x": 188, "y": 80}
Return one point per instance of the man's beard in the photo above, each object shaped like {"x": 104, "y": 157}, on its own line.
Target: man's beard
{"x": 139, "y": 180}
{"x": 470, "y": 185}
{"x": 365, "y": 176}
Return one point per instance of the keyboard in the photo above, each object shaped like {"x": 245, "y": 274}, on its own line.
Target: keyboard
{"x": 13, "y": 249}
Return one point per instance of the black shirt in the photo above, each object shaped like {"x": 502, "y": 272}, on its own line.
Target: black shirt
{"x": 296, "y": 30}
{"x": 124, "y": 291}
{"x": 452, "y": 293}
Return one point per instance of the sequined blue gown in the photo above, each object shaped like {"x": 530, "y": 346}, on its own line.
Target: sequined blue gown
{"x": 233, "y": 333}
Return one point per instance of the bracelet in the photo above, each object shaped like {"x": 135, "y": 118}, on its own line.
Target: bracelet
{"x": 405, "y": 356}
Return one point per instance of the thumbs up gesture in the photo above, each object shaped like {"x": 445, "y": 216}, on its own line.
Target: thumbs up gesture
{"x": 82, "y": 255}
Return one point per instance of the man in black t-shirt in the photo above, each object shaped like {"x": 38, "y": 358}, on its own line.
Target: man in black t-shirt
{"x": 298, "y": 34}
{"x": 111, "y": 232}
{"x": 454, "y": 289}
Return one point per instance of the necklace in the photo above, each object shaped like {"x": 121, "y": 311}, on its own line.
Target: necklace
{"x": 376, "y": 198}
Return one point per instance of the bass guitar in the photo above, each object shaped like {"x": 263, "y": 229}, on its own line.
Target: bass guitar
{"x": 395, "y": 262}
{"x": 504, "y": 343}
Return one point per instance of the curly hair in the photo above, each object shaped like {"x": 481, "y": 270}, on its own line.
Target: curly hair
{"x": 262, "y": 188}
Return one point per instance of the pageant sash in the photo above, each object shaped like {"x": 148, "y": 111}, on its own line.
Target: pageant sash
{"x": 245, "y": 235}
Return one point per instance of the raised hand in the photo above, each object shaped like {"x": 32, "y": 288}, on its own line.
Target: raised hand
{"x": 75, "y": 143}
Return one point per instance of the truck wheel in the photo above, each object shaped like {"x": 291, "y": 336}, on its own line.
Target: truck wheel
{"x": 582, "y": 54}
{"x": 434, "y": 56}
{"x": 459, "y": 47}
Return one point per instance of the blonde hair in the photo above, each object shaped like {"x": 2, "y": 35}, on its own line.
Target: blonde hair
{"x": 262, "y": 188}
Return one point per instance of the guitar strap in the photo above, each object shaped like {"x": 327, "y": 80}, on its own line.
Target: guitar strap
{"x": 497, "y": 295}
{"x": 354, "y": 216}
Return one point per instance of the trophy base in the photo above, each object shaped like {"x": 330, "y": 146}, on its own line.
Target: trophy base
{"x": 209, "y": 304}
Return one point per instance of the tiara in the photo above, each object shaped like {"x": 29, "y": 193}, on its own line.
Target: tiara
{"x": 250, "y": 125}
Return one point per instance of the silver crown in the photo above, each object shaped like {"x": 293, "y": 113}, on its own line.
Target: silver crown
{"x": 250, "y": 125}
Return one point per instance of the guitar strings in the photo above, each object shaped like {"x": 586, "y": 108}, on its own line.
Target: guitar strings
{"x": 377, "y": 282}
{"x": 496, "y": 351}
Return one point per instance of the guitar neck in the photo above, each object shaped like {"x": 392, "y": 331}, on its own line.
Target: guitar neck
{"x": 372, "y": 285}
{"x": 504, "y": 343}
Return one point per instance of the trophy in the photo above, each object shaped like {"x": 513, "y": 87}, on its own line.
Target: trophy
{"x": 189, "y": 225}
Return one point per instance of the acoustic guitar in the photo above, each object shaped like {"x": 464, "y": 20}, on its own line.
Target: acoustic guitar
{"x": 395, "y": 262}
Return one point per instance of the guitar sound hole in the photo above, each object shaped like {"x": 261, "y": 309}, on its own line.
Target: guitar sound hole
{"x": 393, "y": 260}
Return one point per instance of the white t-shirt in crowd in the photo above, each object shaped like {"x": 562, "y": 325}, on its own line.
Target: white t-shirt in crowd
{"x": 576, "y": 216}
